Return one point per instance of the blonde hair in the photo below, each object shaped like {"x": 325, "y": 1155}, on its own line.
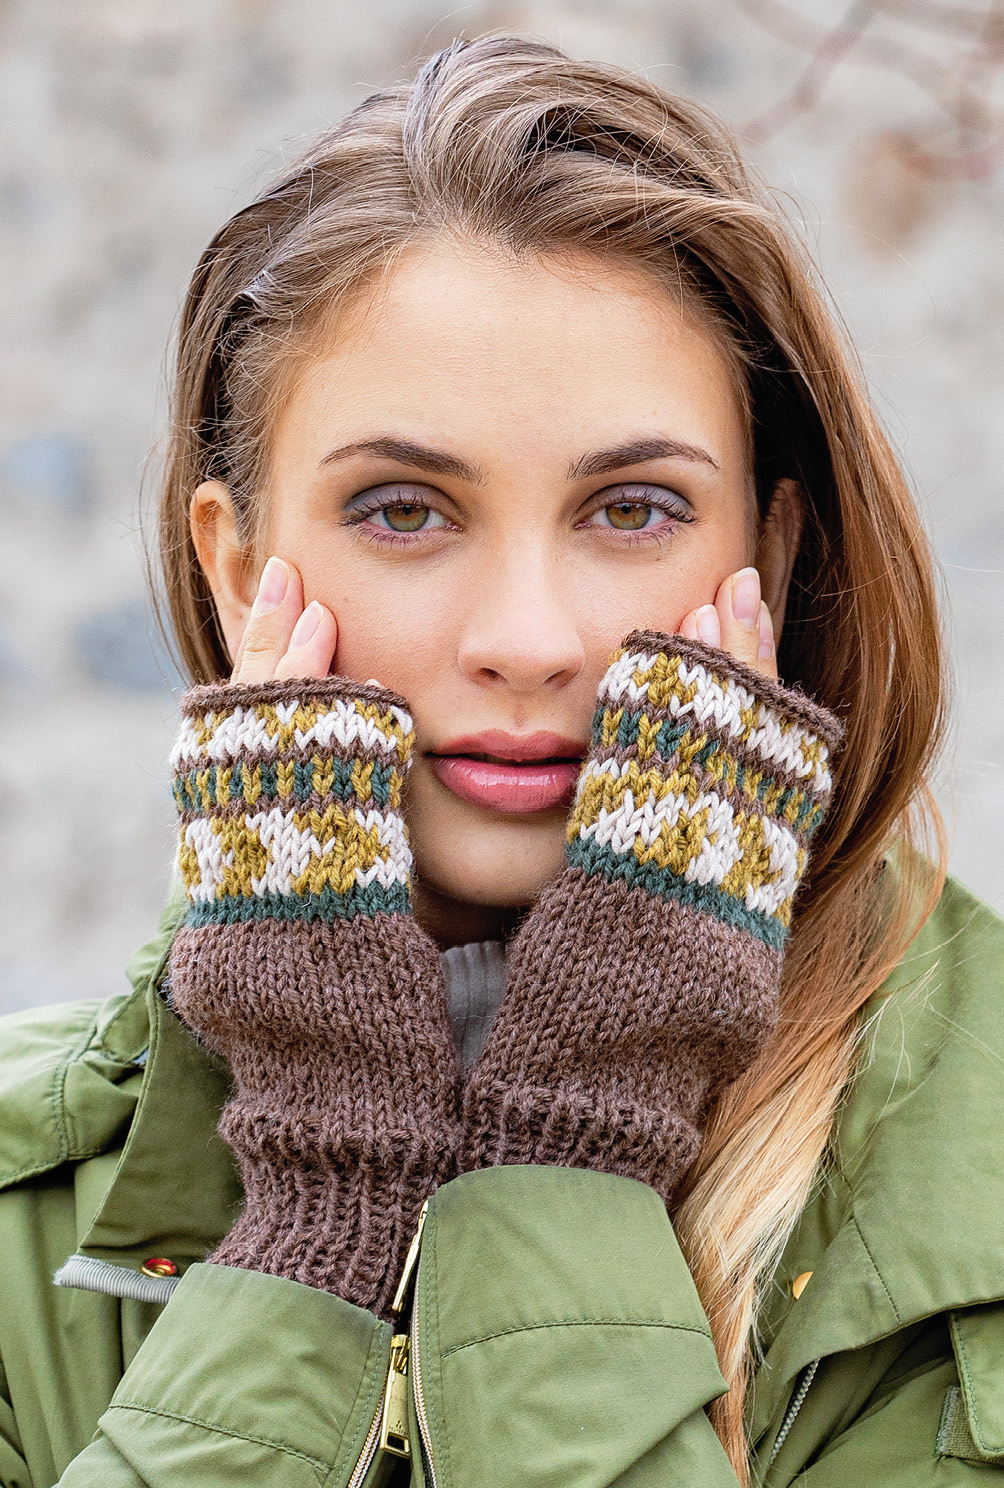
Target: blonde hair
{"x": 510, "y": 142}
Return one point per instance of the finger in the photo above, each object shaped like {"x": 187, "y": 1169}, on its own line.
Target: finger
{"x": 311, "y": 647}
{"x": 702, "y": 624}
{"x": 274, "y": 613}
{"x": 738, "y": 604}
{"x": 767, "y": 658}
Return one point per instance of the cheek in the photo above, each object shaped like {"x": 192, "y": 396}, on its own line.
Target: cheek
{"x": 395, "y": 625}
{"x": 615, "y": 598}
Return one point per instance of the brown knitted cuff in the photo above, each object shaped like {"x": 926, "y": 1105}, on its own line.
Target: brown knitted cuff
{"x": 647, "y": 975}
{"x": 301, "y": 964}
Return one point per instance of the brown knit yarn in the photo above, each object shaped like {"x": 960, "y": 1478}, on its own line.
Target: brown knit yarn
{"x": 646, "y": 976}
{"x": 317, "y": 986}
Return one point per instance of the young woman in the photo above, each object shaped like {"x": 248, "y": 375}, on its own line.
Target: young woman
{"x": 606, "y": 1082}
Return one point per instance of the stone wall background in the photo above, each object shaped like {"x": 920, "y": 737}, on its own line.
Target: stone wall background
{"x": 133, "y": 128}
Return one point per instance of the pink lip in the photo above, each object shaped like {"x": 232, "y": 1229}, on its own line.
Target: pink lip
{"x": 527, "y": 773}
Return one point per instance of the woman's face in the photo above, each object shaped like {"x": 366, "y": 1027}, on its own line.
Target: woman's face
{"x": 493, "y": 471}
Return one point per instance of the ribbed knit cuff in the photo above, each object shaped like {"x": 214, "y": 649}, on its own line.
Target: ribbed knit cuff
{"x": 335, "y": 1211}
{"x": 705, "y": 782}
{"x": 288, "y": 795}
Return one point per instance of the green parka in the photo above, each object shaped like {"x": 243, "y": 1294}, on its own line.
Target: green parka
{"x": 557, "y": 1337}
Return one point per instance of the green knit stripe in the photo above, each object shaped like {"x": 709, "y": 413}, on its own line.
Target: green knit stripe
{"x": 593, "y": 857}
{"x": 267, "y": 784}
{"x": 240, "y": 909}
{"x": 679, "y": 746}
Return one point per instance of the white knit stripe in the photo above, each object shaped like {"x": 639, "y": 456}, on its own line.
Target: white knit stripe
{"x": 720, "y": 849}
{"x": 345, "y": 726}
{"x": 241, "y": 732}
{"x": 644, "y": 822}
{"x": 212, "y": 860}
{"x": 245, "y": 731}
{"x": 616, "y": 684}
{"x": 186, "y": 753}
{"x": 770, "y": 897}
{"x": 386, "y": 872}
{"x": 634, "y": 822}
{"x": 291, "y": 848}
{"x": 395, "y": 863}
{"x": 722, "y": 706}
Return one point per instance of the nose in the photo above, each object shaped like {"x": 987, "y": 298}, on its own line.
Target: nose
{"x": 521, "y": 630}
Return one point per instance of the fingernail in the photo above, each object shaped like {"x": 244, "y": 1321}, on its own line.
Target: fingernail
{"x": 306, "y": 625}
{"x": 271, "y": 586}
{"x": 746, "y": 598}
{"x": 766, "y": 634}
{"x": 708, "y": 625}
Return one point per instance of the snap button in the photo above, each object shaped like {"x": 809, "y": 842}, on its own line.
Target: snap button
{"x": 159, "y": 1266}
{"x": 799, "y": 1284}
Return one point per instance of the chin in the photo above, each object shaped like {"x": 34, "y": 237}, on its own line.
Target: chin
{"x": 504, "y": 867}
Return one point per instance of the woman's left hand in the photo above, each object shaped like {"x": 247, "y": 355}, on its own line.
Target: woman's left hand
{"x": 738, "y": 622}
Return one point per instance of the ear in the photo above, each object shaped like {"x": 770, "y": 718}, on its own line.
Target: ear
{"x": 227, "y": 562}
{"x": 777, "y": 546}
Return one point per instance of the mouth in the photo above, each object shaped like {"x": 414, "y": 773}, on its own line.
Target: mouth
{"x": 513, "y": 774}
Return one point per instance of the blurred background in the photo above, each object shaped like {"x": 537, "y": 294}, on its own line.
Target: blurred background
{"x": 133, "y": 128}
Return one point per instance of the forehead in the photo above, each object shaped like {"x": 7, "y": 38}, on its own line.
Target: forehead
{"x": 458, "y": 339}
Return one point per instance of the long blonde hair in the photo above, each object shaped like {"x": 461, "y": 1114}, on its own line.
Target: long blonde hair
{"x": 511, "y": 142}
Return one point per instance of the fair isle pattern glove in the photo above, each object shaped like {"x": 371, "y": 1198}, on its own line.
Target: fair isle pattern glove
{"x": 647, "y": 975}
{"x": 301, "y": 964}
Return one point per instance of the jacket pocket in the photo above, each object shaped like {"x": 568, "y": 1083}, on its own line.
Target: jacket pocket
{"x": 972, "y": 1422}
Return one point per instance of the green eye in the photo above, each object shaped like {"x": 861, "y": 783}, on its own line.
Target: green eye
{"x": 627, "y": 516}
{"x": 405, "y": 517}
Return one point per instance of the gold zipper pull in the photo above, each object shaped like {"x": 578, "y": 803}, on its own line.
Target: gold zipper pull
{"x": 394, "y": 1429}
{"x": 410, "y": 1259}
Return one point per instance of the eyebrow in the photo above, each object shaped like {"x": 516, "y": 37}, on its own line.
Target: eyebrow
{"x": 636, "y": 452}
{"x": 407, "y": 452}
{"x": 596, "y": 462}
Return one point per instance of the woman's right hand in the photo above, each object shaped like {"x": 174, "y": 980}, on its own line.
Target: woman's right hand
{"x": 283, "y": 638}
{"x": 300, "y": 962}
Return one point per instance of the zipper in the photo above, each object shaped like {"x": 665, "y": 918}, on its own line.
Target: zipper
{"x": 368, "y": 1452}
{"x": 793, "y": 1410}
{"x": 389, "y": 1429}
{"x": 410, "y": 1261}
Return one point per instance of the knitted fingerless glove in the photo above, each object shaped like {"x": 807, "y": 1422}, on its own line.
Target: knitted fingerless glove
{"x": 646, "y": 977}
{"x": 301, "y": 964}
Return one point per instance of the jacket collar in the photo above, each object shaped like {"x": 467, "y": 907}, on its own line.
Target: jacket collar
{"x": 907, "y": 1223}
{"x": 170, "y": 1190}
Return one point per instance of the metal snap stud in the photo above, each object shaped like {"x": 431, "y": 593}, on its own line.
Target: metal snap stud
{"x": 159, "y": 1266}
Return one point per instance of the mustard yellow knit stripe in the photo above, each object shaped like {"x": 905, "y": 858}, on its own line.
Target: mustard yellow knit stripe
{"x": 219, "y": 785}
{"x": 603, "y": 791}
{"x": 297, "y": 852}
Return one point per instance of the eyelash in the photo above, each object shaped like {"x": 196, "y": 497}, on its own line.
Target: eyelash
{"x": 360, "y": 514}
{"x": 674, "y": 507}
{"x": 668, "y": 502}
